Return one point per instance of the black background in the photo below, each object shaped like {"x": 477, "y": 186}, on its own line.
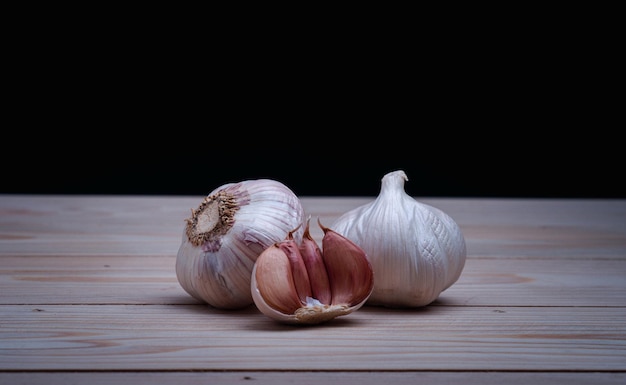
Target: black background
{"x": 332, "y": 162}
{"x": 516, "y": 113}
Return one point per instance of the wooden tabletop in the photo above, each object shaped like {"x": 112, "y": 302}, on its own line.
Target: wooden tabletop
{"x": 88, "y": 294}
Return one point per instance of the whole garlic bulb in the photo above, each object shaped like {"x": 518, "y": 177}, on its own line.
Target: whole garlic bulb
{"x": 226, "y": 233}
{"x": 416, "y": 250}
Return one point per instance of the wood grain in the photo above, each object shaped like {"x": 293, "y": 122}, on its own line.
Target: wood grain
{"x": 88, "y": 291}
{"x": 152, "y": 280}
{"x": 194, "y": 337}
{"x": 305, "y": 377}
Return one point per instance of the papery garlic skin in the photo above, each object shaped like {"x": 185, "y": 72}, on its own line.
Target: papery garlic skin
{"x": 416, "y": 250}
{"x": 284, "y": 281}
{"x": 226, "y": 233}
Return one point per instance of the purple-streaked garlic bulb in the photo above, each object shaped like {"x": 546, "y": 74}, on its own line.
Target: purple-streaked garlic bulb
{"x": 226, "y": 233}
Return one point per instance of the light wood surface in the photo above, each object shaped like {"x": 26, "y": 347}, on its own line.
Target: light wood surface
{"x": 88, "y": 294}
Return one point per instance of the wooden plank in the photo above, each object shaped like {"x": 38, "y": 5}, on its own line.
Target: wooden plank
{"x": 152, "y": 280}
{"x": 303, "y": 377}
{"x": 24, "y": 212}
{"x": 87, "y": 286}
{"x": 506, "y": 228}
{"x": 194, "y": 337}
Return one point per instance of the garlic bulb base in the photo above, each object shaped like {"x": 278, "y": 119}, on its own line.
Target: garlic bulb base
{"x": 312, "y": 313}
{"x": 317, "y": 314}
{"x": 213, "y": 218}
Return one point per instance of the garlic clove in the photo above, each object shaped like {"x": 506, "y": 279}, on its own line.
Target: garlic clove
{"x": 275, "y": 266}
{"x": 299, "y": 275}
{"x": 313, "y": 259}
{"x": 349, "y": 272}
{"x": 275, "y": 290}
{"x": 226, "y": 233}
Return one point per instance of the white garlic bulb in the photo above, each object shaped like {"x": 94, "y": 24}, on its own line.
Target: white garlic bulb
{"x": 226, "y": 233}
{"x": 416, "y": 250}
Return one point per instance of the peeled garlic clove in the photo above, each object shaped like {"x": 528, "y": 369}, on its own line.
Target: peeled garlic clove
{"x": 277, "y": 280}
{"x": 416, "y": 250}
{"x": 226, "y": 233}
